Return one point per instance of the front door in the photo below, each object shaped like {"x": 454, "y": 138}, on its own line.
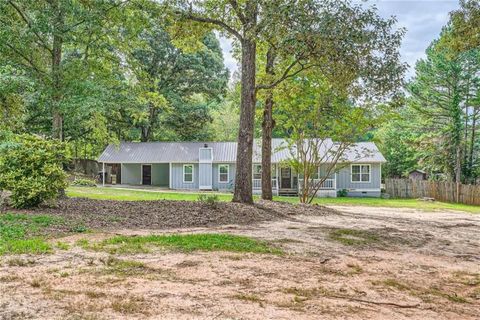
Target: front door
{"x": 147, "y": 174}
{"x": 286, "y": 178}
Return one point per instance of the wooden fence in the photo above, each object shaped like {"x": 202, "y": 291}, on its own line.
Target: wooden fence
{"x": 439, "y": 190}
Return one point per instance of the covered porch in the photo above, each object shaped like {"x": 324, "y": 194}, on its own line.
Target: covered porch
{"x": 137, "y": 174}
{"x": 285, "y": 181}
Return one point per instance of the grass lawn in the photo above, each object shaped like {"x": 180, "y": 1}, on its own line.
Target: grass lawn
{"x": 181, "y": 242}
{"x": 19, "y": 233}
{"x": 135, "y": 195}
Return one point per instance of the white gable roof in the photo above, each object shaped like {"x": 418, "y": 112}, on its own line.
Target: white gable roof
{"x": 164, "y": 152}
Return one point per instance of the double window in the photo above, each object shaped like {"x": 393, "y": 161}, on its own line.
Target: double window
{"x": 223, "y": 170}
{"x": 360, "y": 172}
{"x": 257, "y": 171}
{"x": 188, "y": 173}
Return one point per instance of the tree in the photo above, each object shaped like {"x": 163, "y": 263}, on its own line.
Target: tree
{"x": 58, "y": 43}
{"x": 322, "y": 133}
{"x": 174, "y": 88}
{"x": 245, "y": 21}
{"x": 353, "y": 47}
{"x": 437, "y": 93}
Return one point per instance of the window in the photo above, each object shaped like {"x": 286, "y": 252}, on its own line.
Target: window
{"x": 223, "y": 172}
{"x": 188, "y": 173}
{"x": 360, "y": 173}
{"x": 257, "y": 171}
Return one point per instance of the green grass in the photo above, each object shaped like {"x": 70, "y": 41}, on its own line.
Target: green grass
{"x": 183, "y": 242}
{"x": 397, "y": 203}
{"x": 19, "y": 233}
{"x": 137, "y": 195}
{"x": 353, "y": 237}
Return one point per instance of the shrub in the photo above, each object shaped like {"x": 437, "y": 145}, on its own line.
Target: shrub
{"x": 342, "y": 193}
{"x": 31, "y": 168}
{"x": 83, "y": 183}
{"x": 210, "y": 200}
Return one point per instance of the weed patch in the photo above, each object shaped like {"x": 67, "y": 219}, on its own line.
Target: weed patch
{"x": 353, "y": 237}
{"x": 20, "y": 233}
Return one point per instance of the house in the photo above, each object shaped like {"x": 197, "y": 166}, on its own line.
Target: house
{"x": 211, "y": 166}
{"x": 417, "y": 174}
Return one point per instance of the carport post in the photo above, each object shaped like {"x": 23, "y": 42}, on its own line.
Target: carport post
{"x": 103, "y": 174}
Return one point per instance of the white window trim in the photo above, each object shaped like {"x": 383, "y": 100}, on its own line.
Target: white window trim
{"x": 369, "y": 172}
{"x": 206, "y": 160}
{"x": 228, "y": 173}
{"x": 193, "y": 173}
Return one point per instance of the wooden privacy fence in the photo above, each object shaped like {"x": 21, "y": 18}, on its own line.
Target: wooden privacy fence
{"x": 439, "y": 190}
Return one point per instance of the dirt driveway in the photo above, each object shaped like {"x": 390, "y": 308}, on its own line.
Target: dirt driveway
{"x": 355, "y": 263}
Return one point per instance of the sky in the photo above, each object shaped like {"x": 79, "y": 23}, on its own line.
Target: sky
{"x": 423, "y": 20}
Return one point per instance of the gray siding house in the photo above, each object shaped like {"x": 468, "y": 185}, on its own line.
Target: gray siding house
{"x": 211, "y": 166}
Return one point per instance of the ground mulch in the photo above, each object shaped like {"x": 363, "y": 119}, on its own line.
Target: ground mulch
{"x": 165, "y": 214}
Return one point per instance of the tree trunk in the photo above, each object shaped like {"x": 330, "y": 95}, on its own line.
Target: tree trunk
{"x": 243, "y": 175}
{"x": 57, "y": 116}
{"x": 472, "y": 146}
{"x": 267, "y": 128}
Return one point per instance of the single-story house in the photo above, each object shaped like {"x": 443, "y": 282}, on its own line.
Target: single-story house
{"x": 211, "y": 166}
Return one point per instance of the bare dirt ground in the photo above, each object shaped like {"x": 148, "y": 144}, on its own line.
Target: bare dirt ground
{"x": 395, "y": 264}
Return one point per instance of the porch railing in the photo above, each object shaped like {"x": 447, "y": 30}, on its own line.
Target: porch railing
{"x": 328, "y": 184}
{"x": 257, "y": 184}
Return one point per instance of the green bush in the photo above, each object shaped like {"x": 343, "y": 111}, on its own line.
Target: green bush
{"x": 83, "y": 183}
{"x": 342, "y": 193}
{"x": 31, "y": 168}
{"x": 210, "y": 200}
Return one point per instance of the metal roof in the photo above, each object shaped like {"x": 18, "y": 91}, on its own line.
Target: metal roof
{"x": 164, "y": 152}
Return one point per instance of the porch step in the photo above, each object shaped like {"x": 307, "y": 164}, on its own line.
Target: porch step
{"x": 288, "y": 192}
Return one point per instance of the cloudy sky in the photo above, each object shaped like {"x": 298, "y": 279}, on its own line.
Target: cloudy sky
{"x": 423, "y": 20}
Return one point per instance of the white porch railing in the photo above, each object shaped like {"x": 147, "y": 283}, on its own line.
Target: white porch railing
{"x": 257, "y": 184}
{"x": 328, "y": 184}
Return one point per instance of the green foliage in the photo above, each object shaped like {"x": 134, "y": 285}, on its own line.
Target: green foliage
{"x": 342, "y": 193}
{"x": 83, "y": 183}
{"x": 354, "y": 237}
{"x": 209, "y": 199}
{"x": 17, "y": 230}
{"x": 31, "y": 168}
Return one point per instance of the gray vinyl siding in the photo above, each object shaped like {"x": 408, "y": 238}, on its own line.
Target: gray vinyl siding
{"x": 231, "y": 177}
{"x": 160, "y": 173}
{"x": 177, "y": 177}
{"x": 344, "y": 178}
{"x": 205, "y": 175}
{"x": 131, "y": 173}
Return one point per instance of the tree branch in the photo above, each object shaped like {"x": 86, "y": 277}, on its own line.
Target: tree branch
{"x": 27, "y": 21}
{"x": 216, "y": 22}
{"x": 239, "y": 13}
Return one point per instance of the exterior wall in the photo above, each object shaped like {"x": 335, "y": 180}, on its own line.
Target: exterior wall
{"x": 231, "y": 177}
{"x": 160, "y": 174}
{"x": 131, "y": 173}
{"x": 360, "y": 189}
{"x": 177, "y": 177}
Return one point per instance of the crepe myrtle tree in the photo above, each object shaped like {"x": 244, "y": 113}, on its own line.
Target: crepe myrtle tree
{"x": 322, "y": 133}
